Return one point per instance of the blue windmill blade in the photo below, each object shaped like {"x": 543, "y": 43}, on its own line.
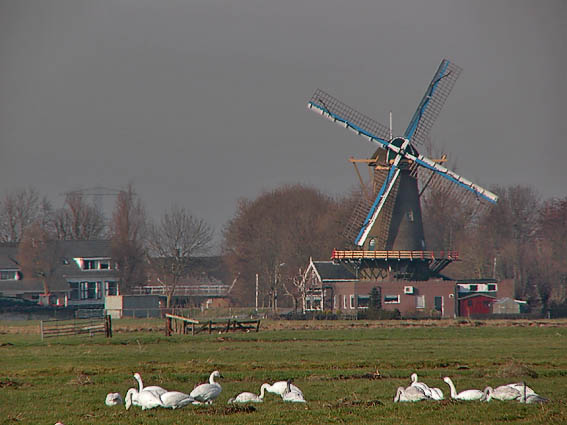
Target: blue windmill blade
{"x": 432, "y": 102}
{"x": 344, "y": 115}
{"x": 480, "y": 192}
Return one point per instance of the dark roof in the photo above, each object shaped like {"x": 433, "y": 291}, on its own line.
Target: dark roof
{"x": 8, "y": 257}
{"x": 329, "y": 271}
{"x": 86, "y": 249}
{"x": 17, "y": 287}
{"x": 476, "y": 281}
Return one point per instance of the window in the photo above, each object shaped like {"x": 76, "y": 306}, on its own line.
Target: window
{"x": 352, "y": 302}
{"x": 372, "y": 245}
{"x": 104, "y": 265}
{"x": 83, "y": 287}
{"x": 8, "y": 275}
{"x": 420, "y": 301}
{"x": 391, "y": 299}
{"x": 492, "y": 287}
{"x": 345, "y": 306}
{"x": 91, "y": 290}
{"x": 363, "y": 301}
{"x": 473, "y": 288}
{"x": 89, "y": 264}
{"x": 111, "y": 288}
{"x": 74, "y": 290}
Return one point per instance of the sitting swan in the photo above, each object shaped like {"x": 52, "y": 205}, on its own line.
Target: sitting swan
{"x": 292, "y": 395}
{"x": 467, "y": 395}
{"x": 152, "y": 388}
{"x": 207, "y": 393}
{"x": 410, "y": 394}
{"x": 280, "y": 387}
{"x": 502, "y": 393}
{"x": 247, "y": 397}
{"x": 424, "y": 387}
{"x": 175, "y": 399}
{"x": 522, "y": 387}
{"x": 433, "y": 393}
{"x": 144, "y": 399}
{"x": 113, "y": 399}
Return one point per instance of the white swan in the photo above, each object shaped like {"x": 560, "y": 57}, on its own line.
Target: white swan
{"x": 175, "y": 399}
{"x": 437, "y": 394}
{"x": 409, "y": 394}
{"x": 113, "y": 399}
{"x": 502, "y": 393}
{"x": 280, "y": 387}
{"x": 522, "y": 387}
{"x": 247, "y": 397}
{"x": 467, "y": 395}
{"x": 144, "y": 399}
{"x": 433, "y": 393}
{"x": 292, "y": 395}
{"x": 424, "y": 387}
{"x": 207, "y": 393}
{"x": 152, "y": 388}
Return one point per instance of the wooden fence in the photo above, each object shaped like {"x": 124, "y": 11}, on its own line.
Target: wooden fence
{"x": 184, "y": 325}
{"x": 91, "y": 326}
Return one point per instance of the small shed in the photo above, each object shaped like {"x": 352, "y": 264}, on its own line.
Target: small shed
{"x": 470, "y": 305}
{"x": 509, "y": 306}
{"x": 140, "y": 306}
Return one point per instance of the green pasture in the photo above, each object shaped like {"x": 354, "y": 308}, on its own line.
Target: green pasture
{"x": 347, "y": 375}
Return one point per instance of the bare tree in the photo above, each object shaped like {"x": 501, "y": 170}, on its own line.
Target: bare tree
{"x": 78, "y": 220}
{"x": 18, "y": 210}
{"x": 172, "y": 242}
{"x": 39, "y": 255}
{"x": 276, "y": 233}
{"x": 127, "y": 231}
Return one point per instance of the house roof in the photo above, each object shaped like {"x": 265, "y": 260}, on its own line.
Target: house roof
{"x": 8, "y": 256}
{"x": 330, "y": 271}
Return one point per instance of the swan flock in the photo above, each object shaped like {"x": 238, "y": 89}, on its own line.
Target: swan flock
{"x": 153, "y": 396}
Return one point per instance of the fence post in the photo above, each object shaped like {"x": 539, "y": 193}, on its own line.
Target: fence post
{"x": 41, "y": 328}
{"x": 108, "y": 326}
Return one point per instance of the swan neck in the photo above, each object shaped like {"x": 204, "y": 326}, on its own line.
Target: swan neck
{"x": 453, "y": 389}
{"x": 140, "y": 383}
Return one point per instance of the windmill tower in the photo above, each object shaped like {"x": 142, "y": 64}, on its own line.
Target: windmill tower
{"x": 386, "y": 227}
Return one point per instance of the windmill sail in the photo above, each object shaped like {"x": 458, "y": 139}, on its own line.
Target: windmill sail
{"x": 432, "y": 101}
{"x": 403, "y": 160}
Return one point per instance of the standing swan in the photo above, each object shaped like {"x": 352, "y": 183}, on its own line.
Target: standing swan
{"x": 292, "y": 395}
{"x": 467, "y": 395}
{"x": 247, "y": 397}
{"x": 152, "y": 388}
{"x": 207, "y": 393}
{"x": 410, "y": 394}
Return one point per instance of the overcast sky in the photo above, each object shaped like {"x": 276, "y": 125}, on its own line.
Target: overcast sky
{"x": 204, "y": 102}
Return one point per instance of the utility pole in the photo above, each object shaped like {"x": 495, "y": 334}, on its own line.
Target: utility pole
{"x": 256, "y": 292}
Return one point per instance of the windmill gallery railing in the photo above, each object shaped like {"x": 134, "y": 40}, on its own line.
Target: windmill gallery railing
{"x": 393, "y": 255}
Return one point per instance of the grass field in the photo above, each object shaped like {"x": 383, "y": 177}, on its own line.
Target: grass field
{"x": 349, "y": 372}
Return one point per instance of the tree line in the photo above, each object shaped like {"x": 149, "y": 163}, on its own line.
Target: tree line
{"x": 271, "y": 238}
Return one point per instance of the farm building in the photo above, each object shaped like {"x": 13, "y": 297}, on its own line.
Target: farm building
{"x": 332, "y": 286}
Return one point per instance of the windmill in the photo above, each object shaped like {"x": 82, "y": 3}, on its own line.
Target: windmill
{"x": 387, "y": 223}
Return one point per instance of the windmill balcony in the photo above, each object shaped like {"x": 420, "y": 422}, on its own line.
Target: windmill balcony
{"x": 395, "y": 255}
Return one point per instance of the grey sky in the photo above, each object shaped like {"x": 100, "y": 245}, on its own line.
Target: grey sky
{"x": 203, "y": 102}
